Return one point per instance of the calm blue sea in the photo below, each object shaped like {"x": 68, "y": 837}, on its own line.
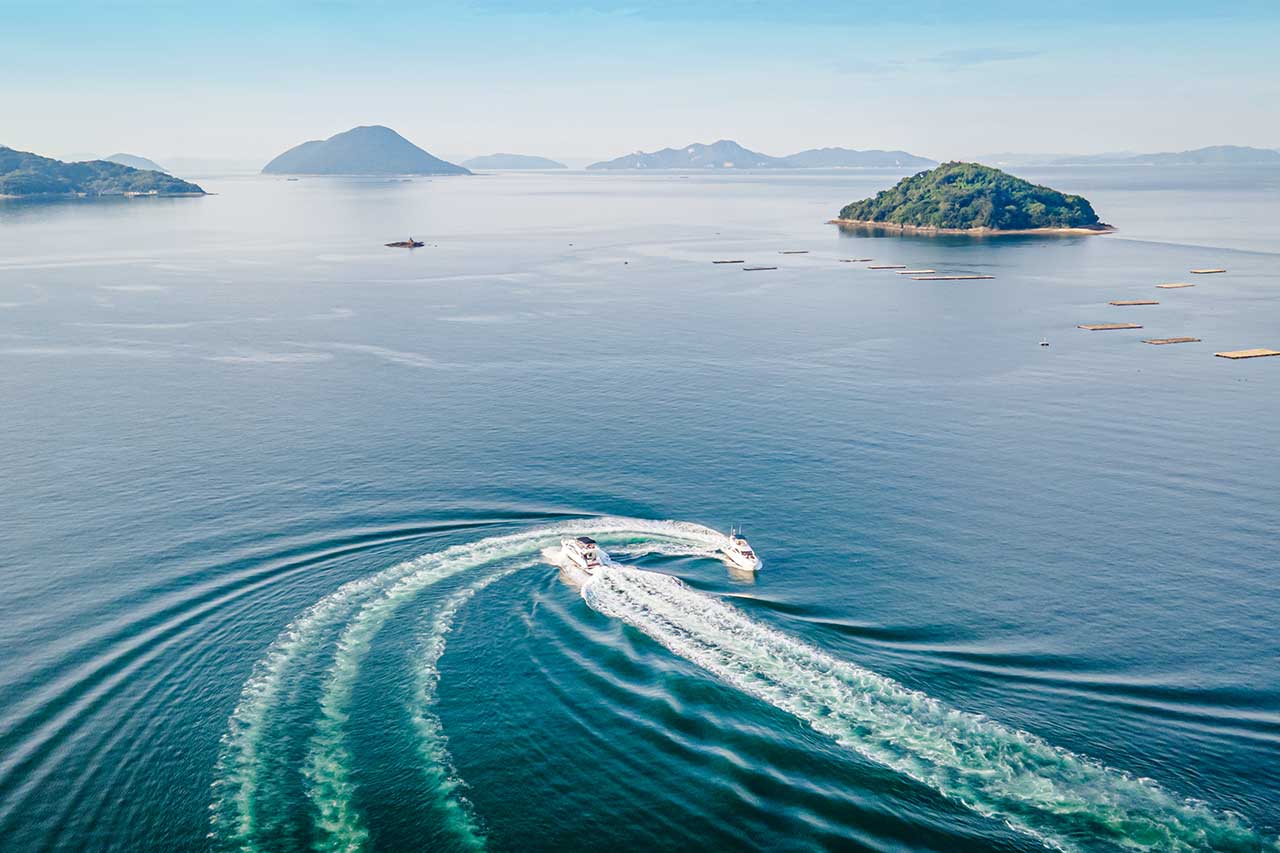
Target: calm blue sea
{"x": 274, "y": 498}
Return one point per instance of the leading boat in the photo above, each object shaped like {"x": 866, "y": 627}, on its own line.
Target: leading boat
{"x": 738, "y": 552}
{"x": 581, "y": 553}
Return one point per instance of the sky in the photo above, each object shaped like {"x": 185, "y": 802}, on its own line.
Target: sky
{"x": 242, "y": 81}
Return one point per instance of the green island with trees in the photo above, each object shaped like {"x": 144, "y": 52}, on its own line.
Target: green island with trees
{"x": 969, "y": 198}
{"x": 24, "y": 175}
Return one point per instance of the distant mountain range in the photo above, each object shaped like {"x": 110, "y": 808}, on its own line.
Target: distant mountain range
{"x": 25, "y": 174}
{"x": 512, "y": 161}
{"x": 371, "y": 150}
{"x": 133, "y": 161}
{"x": 1213, "y": 155}
{"x": 727, "y": 154}
{"x": 846, "y": 158}
{"x": 1222, "y": 155}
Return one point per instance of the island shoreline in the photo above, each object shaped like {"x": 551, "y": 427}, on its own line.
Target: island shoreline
{"x": 971, "y": 232}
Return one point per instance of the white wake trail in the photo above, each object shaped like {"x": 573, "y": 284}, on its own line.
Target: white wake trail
{"x": 241, "y": 814}
{"x": 1049, "y": 793}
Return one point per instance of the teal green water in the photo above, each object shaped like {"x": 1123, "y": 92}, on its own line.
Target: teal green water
{"x": 276, "y": 498}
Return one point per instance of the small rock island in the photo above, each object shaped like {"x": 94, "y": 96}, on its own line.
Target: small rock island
{"x": 969, "y": 198}
{"x": 27, "y": 175}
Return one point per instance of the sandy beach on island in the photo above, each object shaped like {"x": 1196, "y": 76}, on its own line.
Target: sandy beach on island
{"x": 975, "y": 232}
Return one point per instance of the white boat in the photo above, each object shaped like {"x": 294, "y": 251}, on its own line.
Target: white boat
{"x": 581, "y": 553}
{"x": 738, "y": 552}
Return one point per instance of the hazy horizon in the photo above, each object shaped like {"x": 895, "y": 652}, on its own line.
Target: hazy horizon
{"x": 587, "y": 81}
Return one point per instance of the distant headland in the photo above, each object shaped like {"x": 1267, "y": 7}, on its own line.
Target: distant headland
{"x": 969, "y": 198}
{"x": 512, "y": 161}
{"x": 371, "y": 150}
{"x": 27, "y": 175}
{"x": 727, "y": 154}
{"x": 133, "y": 161}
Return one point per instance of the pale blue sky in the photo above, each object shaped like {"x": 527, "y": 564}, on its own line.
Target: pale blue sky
{"x": 244, "y": 81}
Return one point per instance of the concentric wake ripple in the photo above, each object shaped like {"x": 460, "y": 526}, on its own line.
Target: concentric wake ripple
{"x": 248, "y": 771}
{"x": 1064, "y": 800}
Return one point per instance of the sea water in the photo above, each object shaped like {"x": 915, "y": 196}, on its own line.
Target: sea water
{"x": 275, "y": 500}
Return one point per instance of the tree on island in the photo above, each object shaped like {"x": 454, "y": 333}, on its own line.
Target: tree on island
{"x": 965, "y": 196}
{"x": 25, "y": 174}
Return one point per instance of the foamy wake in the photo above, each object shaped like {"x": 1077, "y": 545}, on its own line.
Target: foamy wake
{"x": 245, "y": 808}
{"x": 437, "y": 764}
{"x": 1038, "y": 789}
{"x": 1046, "y": 792}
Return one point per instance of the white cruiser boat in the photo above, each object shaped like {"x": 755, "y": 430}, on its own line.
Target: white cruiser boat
{"x": 738, "y": 552}
{"x": 581, "y": 553}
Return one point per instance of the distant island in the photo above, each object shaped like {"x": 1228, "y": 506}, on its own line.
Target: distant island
{"x": 1214, "y": 155}
{"x": 969, "y": 198}
{"x": 133, "y": 161}
{"x": 724, "y": 154}
{"x": 727, "y": 154}
{"x": 371, "y": 150}
{"x": 847, "y": 158}
{"x": 512, "y": 161}
{"x": 24, "y": 175}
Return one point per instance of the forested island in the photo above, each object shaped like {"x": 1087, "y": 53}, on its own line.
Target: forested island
{"x": 969, "y": 198}
{"x": 23, "y": 174}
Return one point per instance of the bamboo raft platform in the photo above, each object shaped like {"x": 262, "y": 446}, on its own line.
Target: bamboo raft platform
{"x": 758, "y": 269}
{"x": 1247, "y": 353}
{"x": 915, "y": 272}
{"x": 856, "y": 260}
{"x": 888, "y": 267}
{"x": 1206, "y": 271}
{"x": 794, "y": 252}
{"x": 1174, "y": 285}
{"x": 728, "y": 262}
{"x": 952, "y": 277}
{"x": 1163, "y": 341}
{"x": 1128, "y": 302}
{"x": 1107, "y": 327}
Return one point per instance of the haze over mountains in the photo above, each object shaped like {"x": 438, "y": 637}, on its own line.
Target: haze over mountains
{"x": 845, "y": 158}
{"x": 365, "y": 150}
{"x": 1220, "y": 155}
{"x": 512, "y": 161}
{"x": 727, "y": 154}
{"x": 133, "y": 161}
{"x": 1213, "y": 155}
